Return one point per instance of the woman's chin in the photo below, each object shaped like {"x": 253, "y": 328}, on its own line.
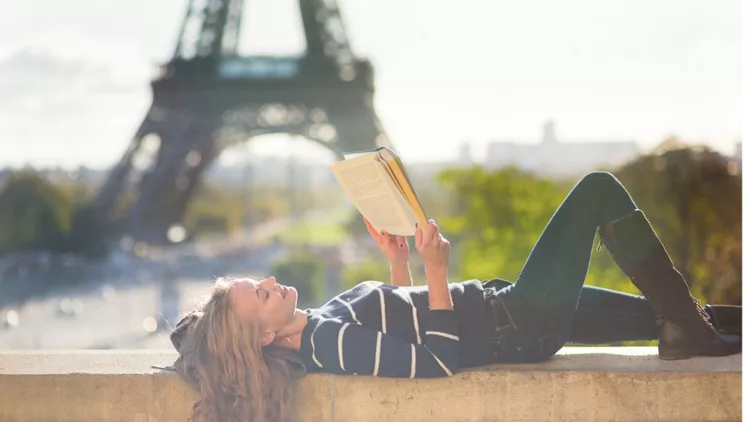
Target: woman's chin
{"x": 292, "y": 296}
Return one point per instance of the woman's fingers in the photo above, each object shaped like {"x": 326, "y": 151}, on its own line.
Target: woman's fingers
{"x": 432, "y": 246}
{"x": 380, "y": 237}
{"x": 427, "y": 236}
{"x": 429, "y": 233}
{"x": 436, "y": 234}
{"x": 432, "y": 234}
{"x": 387, "y": 238}
{"x": 395, "y": 241}
{"x": 371, "y": 229}
{"x": 443, "y": 242}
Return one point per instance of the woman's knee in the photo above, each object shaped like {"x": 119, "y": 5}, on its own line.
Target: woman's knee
{"x": 598, "y": 180}
{"x": 599, "y": 177}
{"x": 603, "y": 189}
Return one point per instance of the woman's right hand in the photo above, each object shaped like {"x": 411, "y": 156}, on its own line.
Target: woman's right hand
{"x": 434, "y": 249}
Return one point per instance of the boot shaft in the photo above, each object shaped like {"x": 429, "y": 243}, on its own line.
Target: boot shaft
{"x": 639, "y": 252}
{"x": 684, "y": 326}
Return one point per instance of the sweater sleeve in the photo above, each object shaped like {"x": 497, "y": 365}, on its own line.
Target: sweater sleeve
{"x": 339, "y": 347}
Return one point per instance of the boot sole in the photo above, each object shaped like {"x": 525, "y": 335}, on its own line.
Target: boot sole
{"x": 674, "y": 357}
{"x": 676, "y": 354}
{"x": 687, "y": 353}
{"x": 674, "y": 342}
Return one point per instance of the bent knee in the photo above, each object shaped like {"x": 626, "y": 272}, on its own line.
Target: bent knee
{"x": 598, "y": 178}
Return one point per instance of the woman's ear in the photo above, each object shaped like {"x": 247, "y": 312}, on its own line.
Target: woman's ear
{"x": 267, "y": 338}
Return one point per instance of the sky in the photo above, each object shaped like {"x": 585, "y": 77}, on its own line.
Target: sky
{"x": 74, "y": 74}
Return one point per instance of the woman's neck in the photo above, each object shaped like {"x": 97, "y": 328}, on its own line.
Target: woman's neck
{"x": 290, "y": 336}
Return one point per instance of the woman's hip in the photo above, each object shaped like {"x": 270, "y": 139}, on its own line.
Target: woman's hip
{"x": 522, "y": 333}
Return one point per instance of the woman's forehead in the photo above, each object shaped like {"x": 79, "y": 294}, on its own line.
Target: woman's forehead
{"x": 243, "y": 295}
{"x": 244, "y": 284}
{"x": 232, "y": 282}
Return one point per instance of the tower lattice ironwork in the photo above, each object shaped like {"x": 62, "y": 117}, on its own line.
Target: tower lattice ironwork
{"x": 208, "y": 97}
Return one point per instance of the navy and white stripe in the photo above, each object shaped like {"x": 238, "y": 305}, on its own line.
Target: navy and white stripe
{"x": 349, "y": 307}
{"x": 382, "y": 330}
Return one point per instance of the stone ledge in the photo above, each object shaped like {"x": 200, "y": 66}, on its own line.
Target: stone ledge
{"x": 579, "y": 384}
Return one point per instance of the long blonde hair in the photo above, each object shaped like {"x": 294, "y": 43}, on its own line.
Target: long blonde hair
{"x": 239, "y": 380}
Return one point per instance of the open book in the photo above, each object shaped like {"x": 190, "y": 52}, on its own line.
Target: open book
{"x": 377, "y": 184}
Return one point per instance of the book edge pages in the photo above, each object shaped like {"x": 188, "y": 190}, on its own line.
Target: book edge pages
{"x": 411, "y": 198}
{"x": 354, "y": 154}
{"x": 404, "y": 208}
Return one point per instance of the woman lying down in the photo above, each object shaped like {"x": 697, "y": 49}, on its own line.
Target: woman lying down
{"x": 245, "y": 345}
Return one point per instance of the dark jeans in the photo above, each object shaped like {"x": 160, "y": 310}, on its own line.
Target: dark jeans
{"x": 548, "y": 305}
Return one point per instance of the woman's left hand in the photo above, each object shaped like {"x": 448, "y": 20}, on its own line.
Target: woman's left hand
{"x": 395, "y": 248}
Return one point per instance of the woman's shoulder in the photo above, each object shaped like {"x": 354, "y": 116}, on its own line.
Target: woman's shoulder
{"x": 362, "y": 287}
{"x": 370, "y": 283}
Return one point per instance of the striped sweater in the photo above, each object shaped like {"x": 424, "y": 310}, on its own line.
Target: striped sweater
{"x": 388, "y": 331}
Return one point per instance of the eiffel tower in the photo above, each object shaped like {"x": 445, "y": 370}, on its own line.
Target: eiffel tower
{"x": 208, "y": 98}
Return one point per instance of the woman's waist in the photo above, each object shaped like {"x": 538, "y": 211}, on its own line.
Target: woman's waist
{"x": 507, "y": 308}
{"x": 495, "y": 299}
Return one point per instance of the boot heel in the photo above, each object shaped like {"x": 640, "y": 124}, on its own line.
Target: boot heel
{"x": 674, "y": 342}
{"x": 673, "y": 354}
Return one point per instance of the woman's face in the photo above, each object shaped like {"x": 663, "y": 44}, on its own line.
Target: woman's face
{"x": 269, "y": 302}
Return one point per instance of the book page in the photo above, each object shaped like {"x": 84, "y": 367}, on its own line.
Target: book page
{"x": 398, "y": 172}
{"x": 371, "y": 191}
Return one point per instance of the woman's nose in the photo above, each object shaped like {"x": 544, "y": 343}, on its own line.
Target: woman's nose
{"x": 269, "y": 282}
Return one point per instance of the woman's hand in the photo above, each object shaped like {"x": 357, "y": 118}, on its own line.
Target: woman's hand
{"x": 435, "y": 252}
{"x": 395, "y": 248}
{"x": 434, "y": 249}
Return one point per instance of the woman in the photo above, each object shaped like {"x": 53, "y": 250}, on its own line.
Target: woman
{"x": 242, "y": 348}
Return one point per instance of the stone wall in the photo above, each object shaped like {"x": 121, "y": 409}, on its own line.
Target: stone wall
{"x": 579, "y": 384}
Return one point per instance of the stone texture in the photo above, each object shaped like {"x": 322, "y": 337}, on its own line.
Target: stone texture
{"x": 579, "y": 384}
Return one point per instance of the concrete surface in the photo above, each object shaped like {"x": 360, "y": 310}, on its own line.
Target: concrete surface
{"x": 579, "y": 384}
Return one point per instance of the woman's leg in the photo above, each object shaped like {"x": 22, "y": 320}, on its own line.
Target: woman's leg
{"x": 544, "y": 299}
{"x": 608, "y": 316}
{"x": 541, "y": 304}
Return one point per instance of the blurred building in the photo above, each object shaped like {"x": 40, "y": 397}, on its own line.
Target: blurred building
{"x": 465, "y": 156}
{"x": 554, "y": 158}
{"x": 738, "y": 155}
{"x": 427, "y": 171}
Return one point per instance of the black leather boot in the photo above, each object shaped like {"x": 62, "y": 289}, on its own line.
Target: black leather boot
{"x": 727, "y": 319}
{"x": 684, "y": 326}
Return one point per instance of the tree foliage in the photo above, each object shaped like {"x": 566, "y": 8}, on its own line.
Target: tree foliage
{"x": 34, "y": 215}
{"x": 88, "y": 233}
{"x": 691, "y": 195}
{"x": 38, "y": 215}
{"x": 496, "y": 218}
{"x": 303, "y": 271}
{"x": 367, "y": 270}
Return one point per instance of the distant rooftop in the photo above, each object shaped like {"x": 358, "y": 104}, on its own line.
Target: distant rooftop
{"x": 552, "y": 157}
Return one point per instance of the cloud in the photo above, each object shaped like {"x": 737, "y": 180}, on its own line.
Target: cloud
{"x": 68, "y": 90}
{"x": 65, "y": 72}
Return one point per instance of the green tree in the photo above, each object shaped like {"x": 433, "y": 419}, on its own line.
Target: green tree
{"x": 34, "y": 215}
{"x": 213, "y": 210}
{"x": 303, "y": 271}
{"x": 367, "y": 270}
{"x": 693, "y": 197}
{"x": 495, "y": 218}
{"x": 88, "y": 235}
